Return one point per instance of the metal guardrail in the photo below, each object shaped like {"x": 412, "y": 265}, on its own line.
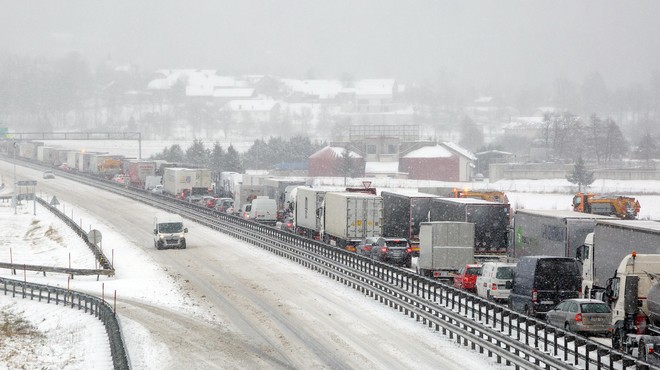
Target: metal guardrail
{"x": 102, "y": 310}
{"x": 69, "y": 298}
{"x": 98, "y": 253}
{"x": 62, "y": 270}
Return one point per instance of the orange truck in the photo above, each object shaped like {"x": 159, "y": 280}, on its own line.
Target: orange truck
{"x": 489, "y": 195}
{"x": 625, "y": 208}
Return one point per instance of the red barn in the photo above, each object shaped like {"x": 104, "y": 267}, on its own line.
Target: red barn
{"x": 326, "y": 162}
{"x": 431, "y": 163}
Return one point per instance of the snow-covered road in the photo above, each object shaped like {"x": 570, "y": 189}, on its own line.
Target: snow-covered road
{"x": 222, "y": 303}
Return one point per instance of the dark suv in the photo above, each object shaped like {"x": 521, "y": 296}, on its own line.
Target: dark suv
{"x": 393, "y": 250}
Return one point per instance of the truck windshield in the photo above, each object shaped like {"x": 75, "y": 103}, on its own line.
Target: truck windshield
{"x": 170, "y": 227}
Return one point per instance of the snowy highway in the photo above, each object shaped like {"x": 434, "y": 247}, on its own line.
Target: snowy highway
{"x": 226, "y": 304}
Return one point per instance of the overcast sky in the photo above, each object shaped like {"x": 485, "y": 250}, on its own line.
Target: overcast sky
{"x": 488, "y": 42}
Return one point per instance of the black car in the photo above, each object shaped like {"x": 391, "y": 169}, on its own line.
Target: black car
{"x": 393, "y": 250}
{"x": 541, "y": 282}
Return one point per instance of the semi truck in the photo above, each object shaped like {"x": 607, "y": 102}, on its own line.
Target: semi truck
{"x": 351, "y": 216}
{"x": 491, "y": 221}
{"x": 634, "y": 297}
{"x": 138, "y": 171}
{"x": 179, "y": 182}
{"x": 550, "y": 232}
{"x": 404, "y": 212}
{"x": 444, "y": 247}
{"x": 308, "y": 211}
{"x": 609, "y": 243}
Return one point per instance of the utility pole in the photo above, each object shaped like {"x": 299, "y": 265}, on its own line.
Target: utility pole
{"x": 15, "y": 198}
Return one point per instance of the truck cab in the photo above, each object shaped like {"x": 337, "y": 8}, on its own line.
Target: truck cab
{"x": 584, "y": 254}
{"x": 627, "y": 294}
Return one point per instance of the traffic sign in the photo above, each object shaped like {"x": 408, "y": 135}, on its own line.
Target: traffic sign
{"x": 94, "y": 236}
{"x": 54, "y": 201}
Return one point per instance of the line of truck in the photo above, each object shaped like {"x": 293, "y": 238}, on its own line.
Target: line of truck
{"x": 620, "y": 265}
{"x": 344, "y": 219}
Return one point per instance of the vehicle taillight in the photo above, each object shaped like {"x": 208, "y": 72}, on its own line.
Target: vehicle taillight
{"x": 578, "y": 317}
{"x": 535, "y": 295}
{"x": 383, "y": 250}
{"x": 641, "y": 323}
{"x": 408, "y": 250}
{"x": 289, "y": 224}
{"x": 367, "y": 248}
{"x": 494, "y": 287}
{"x": 651, "y": 350}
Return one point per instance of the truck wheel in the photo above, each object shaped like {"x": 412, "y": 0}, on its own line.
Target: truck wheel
{"x": 488, "y": 296}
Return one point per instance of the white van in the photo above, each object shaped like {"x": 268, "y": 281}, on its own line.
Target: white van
{"x": 491, "y": 284}
{"x": 262, "y": 209}
{"x": 169, "y": 231}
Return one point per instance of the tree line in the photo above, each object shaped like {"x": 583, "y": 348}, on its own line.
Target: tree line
{"x": 262, "y": 155}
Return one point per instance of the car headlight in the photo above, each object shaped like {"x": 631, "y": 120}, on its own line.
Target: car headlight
{"x": 162, "y": 237}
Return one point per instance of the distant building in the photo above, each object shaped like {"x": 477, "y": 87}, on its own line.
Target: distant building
{"x": 327, "y": 162}
{"x": 431, "y": 163}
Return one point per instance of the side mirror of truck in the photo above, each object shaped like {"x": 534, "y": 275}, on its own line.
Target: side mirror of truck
{"x": 185, "y": 229}
{"x": 155, "y": 232}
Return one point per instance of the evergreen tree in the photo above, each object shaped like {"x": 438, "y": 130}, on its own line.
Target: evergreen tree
{"x": 257, "y": 156}
{"x": 347, "y": 166}
{"x": 580, "y": 175}
{"x": 171, "y": 154}
{"x": 233, "y": 160}
{"x": 217, "y": 158}
{"x": 175, "y": 154}
{"x": 197, "y": 154}
{"x": 616, "y": 145}
{"x": 647, "y": 148}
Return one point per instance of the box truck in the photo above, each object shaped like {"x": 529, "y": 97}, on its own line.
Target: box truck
{"x": 491, "y": 222}
{"x": 404, "y": 212}
{"x": 444, "y": 247}
{"x": 351, "y": 216}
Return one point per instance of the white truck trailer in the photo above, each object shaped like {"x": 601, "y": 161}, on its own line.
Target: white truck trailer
{"x": 609, "y": 243}
{"x": 550, "y": 232}
{"x": 308, "y": 211}
{"x": 180, "y": 182}
{"x": 351, "y": 216}
{"x": 444, "y": 247}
